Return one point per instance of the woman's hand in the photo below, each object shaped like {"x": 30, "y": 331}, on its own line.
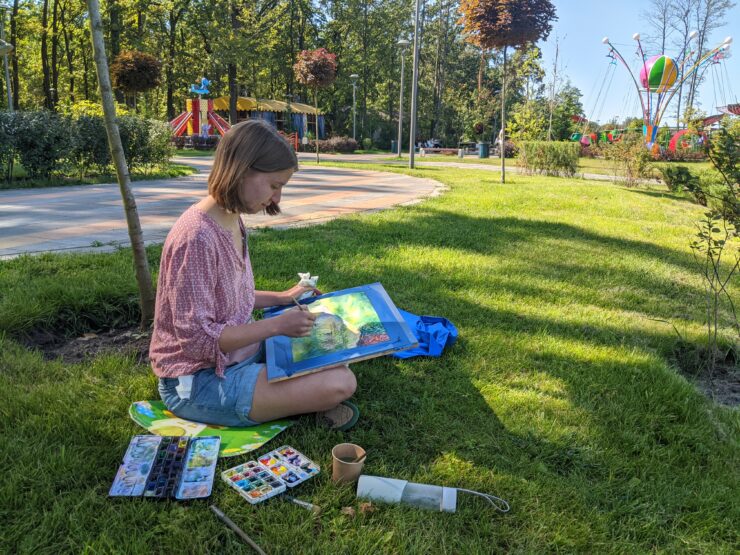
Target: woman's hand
{"x": 296, "y": 322}
{"x": 296, "y": 291}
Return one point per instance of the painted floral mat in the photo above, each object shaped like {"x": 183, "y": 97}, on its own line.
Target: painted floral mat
{"x": 155, "y": 417}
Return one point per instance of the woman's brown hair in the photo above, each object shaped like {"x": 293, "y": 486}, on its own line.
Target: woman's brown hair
{"x": 254, "y": 145}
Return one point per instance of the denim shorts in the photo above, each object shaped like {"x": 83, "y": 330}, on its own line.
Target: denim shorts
{"x": 212, "y": 400}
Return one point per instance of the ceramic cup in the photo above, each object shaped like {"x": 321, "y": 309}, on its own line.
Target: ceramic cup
{"x": 347, "y": 462}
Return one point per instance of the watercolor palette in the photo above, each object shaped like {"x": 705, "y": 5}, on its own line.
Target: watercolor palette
{"x": 167, "y": 466}
{"x": 271, "y": 474}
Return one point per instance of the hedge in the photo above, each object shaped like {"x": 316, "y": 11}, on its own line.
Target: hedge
{"x": 47, "y": 143}
{"x": 550, "y": 157}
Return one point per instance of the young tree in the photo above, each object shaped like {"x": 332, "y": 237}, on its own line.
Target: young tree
{"x": 316, "y": 69}
{"x": 503, "y": 24}
{"x": 143, "y": 275}
{"x": 134, "y": 72}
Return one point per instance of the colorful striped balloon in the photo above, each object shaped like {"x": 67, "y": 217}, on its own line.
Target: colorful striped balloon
{"x": 659, "y": 74}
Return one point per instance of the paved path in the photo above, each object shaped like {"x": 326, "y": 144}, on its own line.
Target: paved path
{"x": 91, "y": 218}
{"x": 420, "y": 161}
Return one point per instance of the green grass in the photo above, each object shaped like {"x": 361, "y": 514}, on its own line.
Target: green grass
{"x": 22, "y": 181}
{"x": 586, "y": 165}
{"x": 193, "y": 152}
{"x": 560, "y": 395}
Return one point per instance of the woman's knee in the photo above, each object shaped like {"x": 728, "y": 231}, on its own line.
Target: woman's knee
{"x": 343, "y": 384}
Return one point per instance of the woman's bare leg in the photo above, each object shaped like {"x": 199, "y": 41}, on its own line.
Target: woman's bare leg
{"x": 313, "y": 393}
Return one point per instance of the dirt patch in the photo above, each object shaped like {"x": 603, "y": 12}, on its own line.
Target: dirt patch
{"x": 79, "y": 349}
{"x": 722, "y": 387}
{"x": 722, "y": 383}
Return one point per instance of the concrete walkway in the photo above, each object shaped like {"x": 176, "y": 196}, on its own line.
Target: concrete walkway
{"x": 91, "y": 218}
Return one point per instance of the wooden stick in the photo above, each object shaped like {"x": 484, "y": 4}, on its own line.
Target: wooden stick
{"x": 238, "y": 531}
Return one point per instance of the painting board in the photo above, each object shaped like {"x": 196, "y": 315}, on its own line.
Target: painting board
{"x": 351, "y": 325}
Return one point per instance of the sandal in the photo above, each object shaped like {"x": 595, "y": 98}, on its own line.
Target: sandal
{"x": 340, "y": 418}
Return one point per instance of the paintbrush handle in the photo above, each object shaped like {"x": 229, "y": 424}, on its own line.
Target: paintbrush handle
{"x": 305, "y": 504}
{"x": 238, "y": 531}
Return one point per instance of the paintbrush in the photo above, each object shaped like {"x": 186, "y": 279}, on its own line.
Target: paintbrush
{"x": 305, "y": 504}
{"x": 239, "y": 532}
{"x": 299, "y": 305}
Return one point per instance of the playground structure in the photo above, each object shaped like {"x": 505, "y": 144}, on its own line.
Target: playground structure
{"x": 201, "y": 117}
{"x": 659, "y": 79}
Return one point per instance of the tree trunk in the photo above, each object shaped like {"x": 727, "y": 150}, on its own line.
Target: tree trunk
{"x": 14, "y": 57}
{"x": 46, "y": 82}
{"x": 316, "y": 105}
{"x": 233, "y": 94}
{"x": 170, "y": 74}
{"x": 85, "y": 70}
{"x": 502, "y": 144}
{"x": 143, "y": 275}
{"x": 68, "y": 52}
{"x": 116, "y": 25}
{"x": 54, "y": 54}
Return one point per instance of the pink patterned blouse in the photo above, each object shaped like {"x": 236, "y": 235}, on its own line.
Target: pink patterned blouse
{"x": 204, "y": 285}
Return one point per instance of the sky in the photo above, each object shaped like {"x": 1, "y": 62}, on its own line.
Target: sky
{"x": 582, "y": 57}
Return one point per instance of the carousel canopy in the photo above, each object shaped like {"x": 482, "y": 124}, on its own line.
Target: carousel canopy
{"x": 247, "y": 104}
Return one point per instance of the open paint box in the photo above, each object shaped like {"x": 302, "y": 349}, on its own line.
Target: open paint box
{"x": 270, "y": 474}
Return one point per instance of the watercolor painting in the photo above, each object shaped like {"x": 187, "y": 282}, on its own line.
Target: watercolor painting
{"x": 342, "y": 323}
{"x": 351, "y": 325}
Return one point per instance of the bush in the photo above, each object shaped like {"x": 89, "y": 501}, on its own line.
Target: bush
{"x": 135, "y": 139}
{"x": 510, "y": 150}
{"x": 340, "y": 144}
{"x": 631, "y": 155}
{"x": 45, "y": 142}
{"x": 89, "y": 144}
{"x": 367, "y": 143}
{"x": 42, "y": 139}
{"x": 678, "y": 178}
{"x": 7, "y": 146}
{"x": 159, "y": 148}
{"x": 551, "y": 158}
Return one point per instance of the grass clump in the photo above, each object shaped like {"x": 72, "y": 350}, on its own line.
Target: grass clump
{"x": 559, "y": 395}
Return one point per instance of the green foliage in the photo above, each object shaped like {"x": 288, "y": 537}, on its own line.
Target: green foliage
{"x": 159, "y": 144}
{"x": 7, "y": 146}
{"x": 631, "y": 156}
{"x": 678, "y": 178}
{"x": 550, "y": 157}
{"x": 527, "y": 122}
{"x": 567, "y": 105}
{"x": 41, "y": 140}
{"x": 47, "y": 143}
{"x": 90, "y": 108}
{"x": 367, "y": 143}
{"x": 89, "y": 143}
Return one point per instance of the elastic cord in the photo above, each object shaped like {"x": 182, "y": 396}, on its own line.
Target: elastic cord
{"x": 499, "y": 504}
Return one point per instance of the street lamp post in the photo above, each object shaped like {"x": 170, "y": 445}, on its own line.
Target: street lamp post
{"x": 414, "y": 87}
{"x": 354, "y": 78}
{"x": 403, "y": 43}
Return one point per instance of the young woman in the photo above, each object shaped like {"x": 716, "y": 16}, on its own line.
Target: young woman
{"x": 206, "y": 349}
